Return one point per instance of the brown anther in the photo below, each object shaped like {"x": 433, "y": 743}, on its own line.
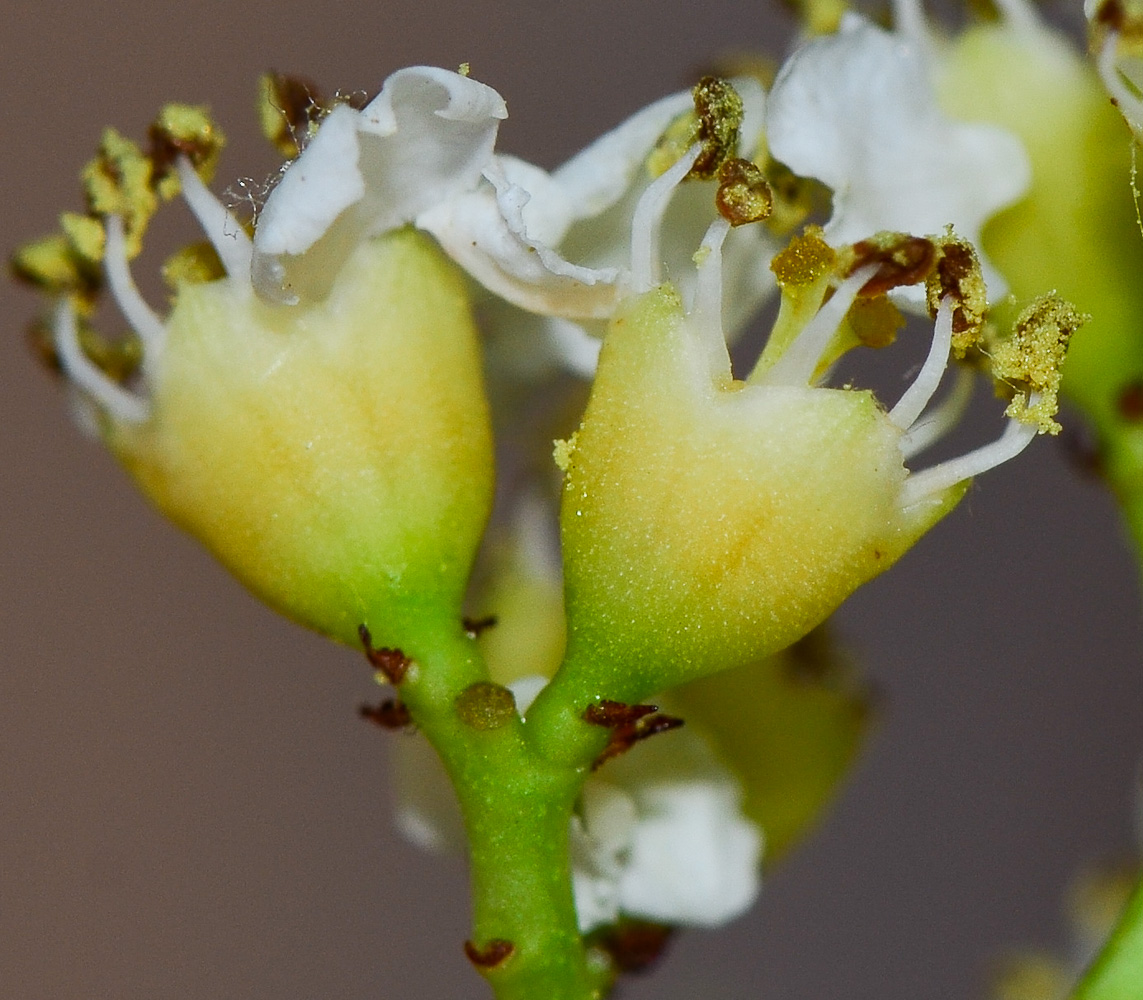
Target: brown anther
{"x": 719, "y": 110}
{"x": 166, "y": 148}
{"x": 1130, "y": 401}
{"x": 473, "y": 627}
{"x": 635, "y": 946}
{"x": 612, "y": 714}
{"x": 491, "y": 954}
{"x": 743, "y": 195}
{"x": 901, "y": 260}
{"x": 290, "y": 105}
{"x": 391, "y": 662}
{"x": 957, "y": 264}
{"x": 390, "y": 714}
{"x": 1111, "y": 13}
{"x": 628, "y": 724}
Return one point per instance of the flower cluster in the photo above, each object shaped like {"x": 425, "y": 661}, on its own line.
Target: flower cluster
{"x": 314, "y": 407}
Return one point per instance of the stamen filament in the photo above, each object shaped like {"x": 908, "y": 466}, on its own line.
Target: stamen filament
{"x": 909, "y": 21}
{"x": 705, "y": 317}
{"x": 117, "y": 401}
{"x": 1129, "y": 103}
{"x": 930, "y": 482}
{"x": 647, "y": 221}
{"x": 1019, "y": 14}
{"x": 936, "y": 423}
{"x": 140, "y": 316}
{"x": 800, "y": 360}
{"x": 914, "y": 400}
{"x": 234, "y": 248}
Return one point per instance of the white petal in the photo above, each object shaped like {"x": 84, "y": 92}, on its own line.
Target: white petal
{"x": 426, "y": 138}
{"x": 694, "y": 859}
{"x": 857, "y": 110}
{"x": 314, "y": 190}
{"x": 600, "y": 844}
{"x": 599, "y": 175}
{"x": 486, "y": 233}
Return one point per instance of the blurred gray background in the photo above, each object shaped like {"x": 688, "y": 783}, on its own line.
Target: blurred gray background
{"x": 189, "y": 806}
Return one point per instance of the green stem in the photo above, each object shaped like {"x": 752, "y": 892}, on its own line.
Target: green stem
{"x": 1117, "y": 974}
{"x": 517, "y": 808}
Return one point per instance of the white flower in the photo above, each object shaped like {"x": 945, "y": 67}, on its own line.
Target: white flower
{"x": 659, "y": 833}
{"x": 553, "y": 244}
{"x": 857, "y": 110}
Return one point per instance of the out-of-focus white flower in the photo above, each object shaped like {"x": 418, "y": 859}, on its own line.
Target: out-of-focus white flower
{"x": 659, "y": 833}
{"x": 857, "y": 110}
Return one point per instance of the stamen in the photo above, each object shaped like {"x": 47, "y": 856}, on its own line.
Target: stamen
{"x": 705, "y": 317}
{"x": 917, "y": 396}
{"x": 800, "y": 360}
{"x": 1126, "y": 100}
{"x": 234, "y": 248}
{"x": 910, "y": 21}
{"x": 935, "y": 424}
{"x": 647, "y": 221}
{"x": 86, "y": 375}
{"x": 141, "y": 317}
{"x": 931, "y": 482}
{"x": 1019, "y": 14}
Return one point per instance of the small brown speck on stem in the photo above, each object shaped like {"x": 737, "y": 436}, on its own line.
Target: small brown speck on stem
{"x": 490, "y": 955}
{"x": 392, "y": 663}
{"x": 628, "y": 724}
{"x": 389, "y": 714}
{"x": 473, "y": 627}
